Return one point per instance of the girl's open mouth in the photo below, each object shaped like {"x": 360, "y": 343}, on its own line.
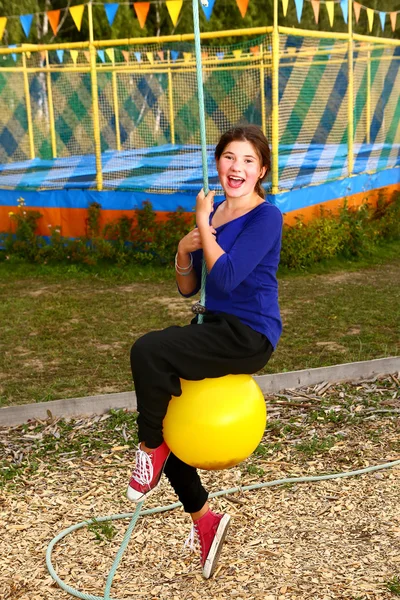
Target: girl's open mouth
{"x": 235, "y": 182}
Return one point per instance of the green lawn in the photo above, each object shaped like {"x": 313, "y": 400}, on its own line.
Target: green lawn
{"x": 66, "y": 332}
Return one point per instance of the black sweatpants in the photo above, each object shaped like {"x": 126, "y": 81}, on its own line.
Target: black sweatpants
{"x": 221, "y": 345}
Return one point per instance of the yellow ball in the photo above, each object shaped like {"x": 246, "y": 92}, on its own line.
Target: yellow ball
{"x": 216, "y": 423}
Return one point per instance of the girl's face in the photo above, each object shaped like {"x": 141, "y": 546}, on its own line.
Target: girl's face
{"x": 239, "y": 169}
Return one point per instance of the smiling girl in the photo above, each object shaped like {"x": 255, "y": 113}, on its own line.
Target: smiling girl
{"x": 239, "y": 239}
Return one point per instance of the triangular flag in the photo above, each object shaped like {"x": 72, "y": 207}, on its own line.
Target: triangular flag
{"x": 87, "y": 55}
{"x": 284, "y": 6}
{"x": 237, "y": 53}
{"x": 330, "y": 7}
{"x": 141, "y": 10}
{"x": 315, "y": 4}
{"x": 187, "y": 56}
{"x": 43, "y": 56}
{"x": 150, "y": 57}
{"x": 111, "y": 11}
{"x": 204, "y": 55}
{"x": 138, "y": 56}
{"x": 370, "y": 14}
{"x": 54, "y": 19}
{"x": 382, "y": 16}
{"x": 26, "y": 22}
{"x": 77, "y": 14}
{"x": 344, "y": 5}
{"x": 357, "y": 10}
{"x": 60, "y": 55}
{"x": 13, "y": 54}
{"x": 174, "y": 8}
{"x": 74, "y": 55}
{"x": 125, "y": 54}
{"x": 208, "y": 9}
{"x": 220, "y": 55}
{"x": 393, "y": 17}
{"x": 160, "y": 54}
{"x": 174, "y": 55}
{"x": 255, "y": 50}
{"x": 101, "y": 55}
{"x": 242, "y": 5}
{"x": 111, "y": 54}
{"x": 3, "y": 23}
{"x": 299, "y": 8}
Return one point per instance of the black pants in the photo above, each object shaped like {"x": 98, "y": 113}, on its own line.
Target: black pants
{"x": 221, "y": 345}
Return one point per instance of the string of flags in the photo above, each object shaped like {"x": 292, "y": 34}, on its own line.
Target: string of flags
{"x": 344, "y": 5}
{"x": 174, "y": 8}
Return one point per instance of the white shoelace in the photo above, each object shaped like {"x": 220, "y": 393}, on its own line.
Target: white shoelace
{"x": 193, "y": 540}
{"x": 143, "y": 473}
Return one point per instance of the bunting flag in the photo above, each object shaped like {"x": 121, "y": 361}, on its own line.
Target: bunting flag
{"x": 242, "y": 5}
{"x": 87, "y": 55}
{"x": 187, "y": 56}
{"x": 237, "y": 53}
{"x": 357, "y": 10}
{"x": 3, "y": 23}
{"x": 54, "y": 19}
{"x": 13, "y": 54}
{"x": 174, "y": 8}
{"x": 125, "y": 54}
{"x": 393, "y": 17}
{"x": 77, "y": 14}
{"x": 208, "y": 9}
{"x": 315, "y": 4}
{"x": 138, "y": 56}
{"x": 344, "y": 5}
{"x": 74, "y": 55}
{"x": 204, "y": 55}
{"x": 174, "y": 55}
{"x": 150, "y": 57}
{"x": 43, "y": 57}
{"x": 160, "y": 54}
{"x": 111, "y": 54}
{"x": 255, "y": 50}
{"x": 111, "y": 11}
{"x": 60, "y": 55}
{"x": 382, "y": 16}
{"x": 330, "y": 7}
{"x": 100, "y": 54}
{"x": 299, "y": 8}
{"x": 220, "y": 55}
{"x": 285, "y": 6}
{"x": 141, "y": 10}
{"x": 26, "y": 22}
{"x": 370, "y": 14}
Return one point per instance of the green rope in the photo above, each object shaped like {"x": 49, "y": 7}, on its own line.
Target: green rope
{"x": 134, "y": 516}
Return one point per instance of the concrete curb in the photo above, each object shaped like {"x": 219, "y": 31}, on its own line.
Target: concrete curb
{"x": 269, "y": 384}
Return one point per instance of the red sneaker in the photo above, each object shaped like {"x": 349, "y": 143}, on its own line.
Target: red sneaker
{"x": 210, "y": 531}
{"x": 147, "y": 474}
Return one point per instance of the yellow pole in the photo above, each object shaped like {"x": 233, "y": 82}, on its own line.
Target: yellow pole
{"x": 275, "y": 102}
{"x": 262, "y": 90}
{"x": 350, "y": 95}
{"x": 28, "y": 108}
{"x": 368, "y": 107}
{"x": 171, "y": 100}
{"x": 51, "y": 109}
{"x": 116, "y": 109}
{"x": 95, "y": 102}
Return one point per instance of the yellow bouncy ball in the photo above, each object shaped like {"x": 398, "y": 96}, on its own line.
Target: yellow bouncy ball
{"x": 216, "y": 423}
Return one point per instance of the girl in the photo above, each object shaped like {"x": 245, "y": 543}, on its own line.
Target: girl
{"x": 240, "y": 241}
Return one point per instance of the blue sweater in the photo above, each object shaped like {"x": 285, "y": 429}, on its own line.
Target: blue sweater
{"x": 243, "y": 281}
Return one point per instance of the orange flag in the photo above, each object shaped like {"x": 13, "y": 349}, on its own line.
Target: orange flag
{"x": 357, "y": 9}
{"x": 54, "y": 19}
{"x": 87, "y": 55}
{"x": 141, "y": 10}
{"x": 160, "y": 54}
{"x": 125, "y": 54}
{"x": 315, "y": 4}
{"x": 242, "y": 5}
{"x": 393, "y": 17}
{"x": 255, "y": 50}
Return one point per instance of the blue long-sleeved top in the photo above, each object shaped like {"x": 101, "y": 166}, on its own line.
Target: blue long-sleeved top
{"x": 243, "y": 281}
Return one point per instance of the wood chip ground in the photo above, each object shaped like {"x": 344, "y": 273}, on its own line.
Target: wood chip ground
{"x": 331, "y": 540}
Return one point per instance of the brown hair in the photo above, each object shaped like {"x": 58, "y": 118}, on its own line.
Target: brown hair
{"x": 254, "y": 135}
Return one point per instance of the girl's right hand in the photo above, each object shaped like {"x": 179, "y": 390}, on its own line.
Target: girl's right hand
{"x": 192, "y": 241}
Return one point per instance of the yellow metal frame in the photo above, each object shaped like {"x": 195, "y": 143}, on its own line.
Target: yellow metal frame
{"x": 275, "y": 102}
{"x": 171, "y": 101}
{"x": 95, "y": 103}
{"x": 51, "y": 109}
{"x": 350, "y": 95}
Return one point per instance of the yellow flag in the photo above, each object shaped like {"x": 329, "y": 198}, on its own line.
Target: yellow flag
{"x": 174, "y": 8}
{"x": 237, "y": 53}
{"x": 330, "y": 7}
{"x": 77, "y": 14}
{"x": 150, "y": 57}
{"x": 284, "y": 6}
{"x": 371, "y": 14}
{"x": 74, "y": 55}
{"x": 187, "y": 56}
{"x": 3, "y": 22}
{"x": 110, "y": 54}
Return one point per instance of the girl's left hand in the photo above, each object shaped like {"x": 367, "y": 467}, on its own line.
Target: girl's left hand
{"x": 204, "y": 205}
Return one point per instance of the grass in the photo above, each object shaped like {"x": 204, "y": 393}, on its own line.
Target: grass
{"x": 66, "y": 331}
{"x": 394, "y": 586}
